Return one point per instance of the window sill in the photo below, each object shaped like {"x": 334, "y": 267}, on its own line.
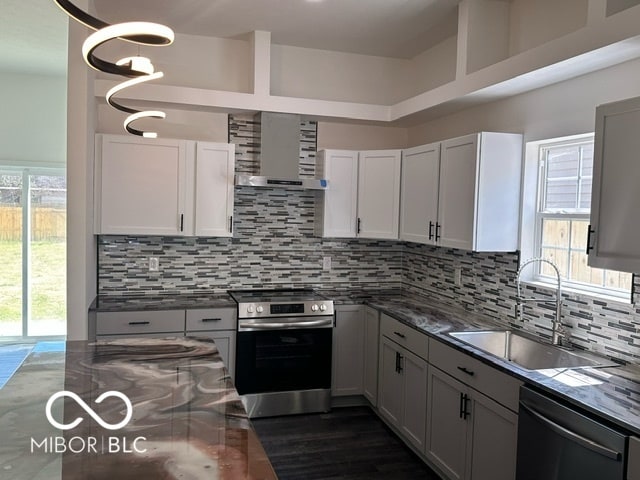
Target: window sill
{"x": 624, "y": 298}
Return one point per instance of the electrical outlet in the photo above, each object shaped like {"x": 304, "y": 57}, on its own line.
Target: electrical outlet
{"x": 326, "y": 263}
{"x": 457, "y": 276}
{"x": 154, "y": 264}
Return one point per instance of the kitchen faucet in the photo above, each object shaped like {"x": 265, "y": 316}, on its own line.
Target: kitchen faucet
{"x": 558, "y": 332}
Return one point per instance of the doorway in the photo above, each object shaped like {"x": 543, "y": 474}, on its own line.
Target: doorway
{"x": 32, "y": 253}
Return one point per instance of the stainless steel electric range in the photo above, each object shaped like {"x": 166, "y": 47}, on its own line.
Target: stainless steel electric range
{"x": 283, "y": 351}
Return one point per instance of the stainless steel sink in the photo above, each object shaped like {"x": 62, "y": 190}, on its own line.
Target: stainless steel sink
{"x": 527, "y": 352}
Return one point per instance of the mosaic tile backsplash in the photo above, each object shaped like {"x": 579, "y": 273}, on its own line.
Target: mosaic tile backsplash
{"x": 274, "y": 246}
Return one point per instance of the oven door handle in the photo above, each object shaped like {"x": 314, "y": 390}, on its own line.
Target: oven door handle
{"x": 285, "y": 325}
{"x": 572, "y": 436}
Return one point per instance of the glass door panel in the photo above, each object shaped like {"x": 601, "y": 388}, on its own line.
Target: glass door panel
{"x": 47, "y": 255}
{"x": 11, "y": 254}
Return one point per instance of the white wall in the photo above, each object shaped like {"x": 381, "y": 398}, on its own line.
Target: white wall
{"x": 182, "y": 124}
{"x": 81, "y": 243}
{"x": 344, "y": 136}
{"x": 325, "y": 75}
{"x": 192, "y": 61}
{"x": 566, "y": 108}
{"x": 33, "y": 122}
{"x": 432, "y": 68}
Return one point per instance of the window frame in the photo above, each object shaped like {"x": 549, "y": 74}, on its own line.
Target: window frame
{"x": 534, "y": 185}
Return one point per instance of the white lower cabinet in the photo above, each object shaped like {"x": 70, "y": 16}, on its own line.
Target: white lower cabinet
{"x": 371, "y": 345}
{"x": 348, "y": 351}
{"x": 402, "y": 391}
{"x": 219, "y": 324}
{"x": 469, "y": 436}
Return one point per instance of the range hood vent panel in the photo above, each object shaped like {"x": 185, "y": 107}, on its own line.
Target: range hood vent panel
{"x": 280, "y": 155}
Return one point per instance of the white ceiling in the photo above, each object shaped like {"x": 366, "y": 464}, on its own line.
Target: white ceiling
{"x": 33, "y": 37}
{"x": 389, "y": 28}
{"x": 33, "y": 33}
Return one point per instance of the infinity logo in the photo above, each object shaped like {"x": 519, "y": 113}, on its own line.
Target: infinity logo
{"x": 86, "y": 408}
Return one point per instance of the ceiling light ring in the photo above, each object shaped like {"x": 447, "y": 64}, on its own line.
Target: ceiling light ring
{"x": 136, "y": 116}
{"x": 97, "y": 24}
{"x": 154, "y": 34}
{"x": 126, "y": 84}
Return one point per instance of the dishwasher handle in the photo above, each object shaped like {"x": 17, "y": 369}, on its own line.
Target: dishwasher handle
{"x": 568, "y": 434}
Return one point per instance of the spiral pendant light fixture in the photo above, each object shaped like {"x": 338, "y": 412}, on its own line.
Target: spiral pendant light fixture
{"x": 138, "y": 69}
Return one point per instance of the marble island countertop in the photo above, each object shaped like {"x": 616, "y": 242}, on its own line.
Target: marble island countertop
{"x": 184, "y": 421}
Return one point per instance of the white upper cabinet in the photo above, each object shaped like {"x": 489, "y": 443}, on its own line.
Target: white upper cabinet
{"x": 337, "y": 210}
{"x": 213, "y": 193}
{"x": 378, "y": 194}
{"x": 363, "y": 197}
{"x": 615, "y": 197}
{"x": 419, "y": 192}
{"x": 163, "y": 187}
{"x": 479, "y": 192}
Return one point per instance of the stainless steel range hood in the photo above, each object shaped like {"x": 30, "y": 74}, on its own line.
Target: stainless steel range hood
{"x": 280, "y": 155}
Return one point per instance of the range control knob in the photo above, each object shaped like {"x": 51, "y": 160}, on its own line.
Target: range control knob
{"x": 259, "y": 309}
{"x": 323, "y": 307}
{"x": 314, "y": 308}
{"x": 250, "y": 309}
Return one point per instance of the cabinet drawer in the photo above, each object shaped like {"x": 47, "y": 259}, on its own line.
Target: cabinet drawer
{"x": 127, "y": 323}
{"x": 404, "y": 335}
{"x": 207, "y": 319}
{"x": 499, "y": 386}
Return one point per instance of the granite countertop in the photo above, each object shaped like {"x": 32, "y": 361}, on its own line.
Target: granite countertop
{"x": 127, "y": 303}
{"x": 187, "y": 420}
{"x": 612, "y": 393}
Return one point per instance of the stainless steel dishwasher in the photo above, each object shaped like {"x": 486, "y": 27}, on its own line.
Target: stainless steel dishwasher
{"x": 557, "y": 442}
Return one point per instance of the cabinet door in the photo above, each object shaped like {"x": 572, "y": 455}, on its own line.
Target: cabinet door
{"x": 371, "y": 341}
{"x": 390, "y": 382}
{"x": 379, "y": 194}
{"x": 446, "y": 427}
{"x": 213, "y": 192}
{"x": 414, "y": 415}
{"x": 493, "y": 440}
{"x": 337, "y": 211}
{"x": 615, "y": 195}
{"x": 419, "y": 192}
{"x": 226, "y": 342}
{"x": 348, "y": 351}
{"x": 140, "y": 185}
{"x": 457, "y": 195}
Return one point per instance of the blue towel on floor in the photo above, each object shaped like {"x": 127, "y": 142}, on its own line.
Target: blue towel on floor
{"x": 58, "y": 346}
{"x": 11, "y": 357}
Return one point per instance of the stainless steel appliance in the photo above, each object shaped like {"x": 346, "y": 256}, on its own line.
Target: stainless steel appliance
{"x": 283, "y": 351}
{"x": 557, "y": 442}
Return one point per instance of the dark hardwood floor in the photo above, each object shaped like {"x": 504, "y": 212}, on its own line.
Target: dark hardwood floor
{"x": 346, "y": 444}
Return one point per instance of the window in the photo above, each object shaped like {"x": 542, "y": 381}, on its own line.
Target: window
{"x": 565, "y": 169}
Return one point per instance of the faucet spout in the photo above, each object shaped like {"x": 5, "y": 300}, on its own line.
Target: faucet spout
{"x": 558, "y": 332}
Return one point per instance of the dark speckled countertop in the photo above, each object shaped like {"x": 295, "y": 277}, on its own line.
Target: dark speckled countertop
{"x": 611, "y": 393}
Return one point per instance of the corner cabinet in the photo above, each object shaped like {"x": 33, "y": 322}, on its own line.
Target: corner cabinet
{"x": 615, "y": 197}
{"x": 348, "y": 351}
{"x": 363, "y": 198}
{"x": 163, "y": 187}
{"x": 464, "y": 192}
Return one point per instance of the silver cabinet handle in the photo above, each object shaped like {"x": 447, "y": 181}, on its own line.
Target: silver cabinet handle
{"x": 139, "y": 323}
{"x": 573, "y": 436}
{"x": 210, "y": 319}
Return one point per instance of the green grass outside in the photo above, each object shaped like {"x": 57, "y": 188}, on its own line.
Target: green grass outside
{"x": 48, "y": 280}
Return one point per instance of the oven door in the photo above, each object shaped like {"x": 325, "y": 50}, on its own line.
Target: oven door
{"x": 283, "y": 360}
